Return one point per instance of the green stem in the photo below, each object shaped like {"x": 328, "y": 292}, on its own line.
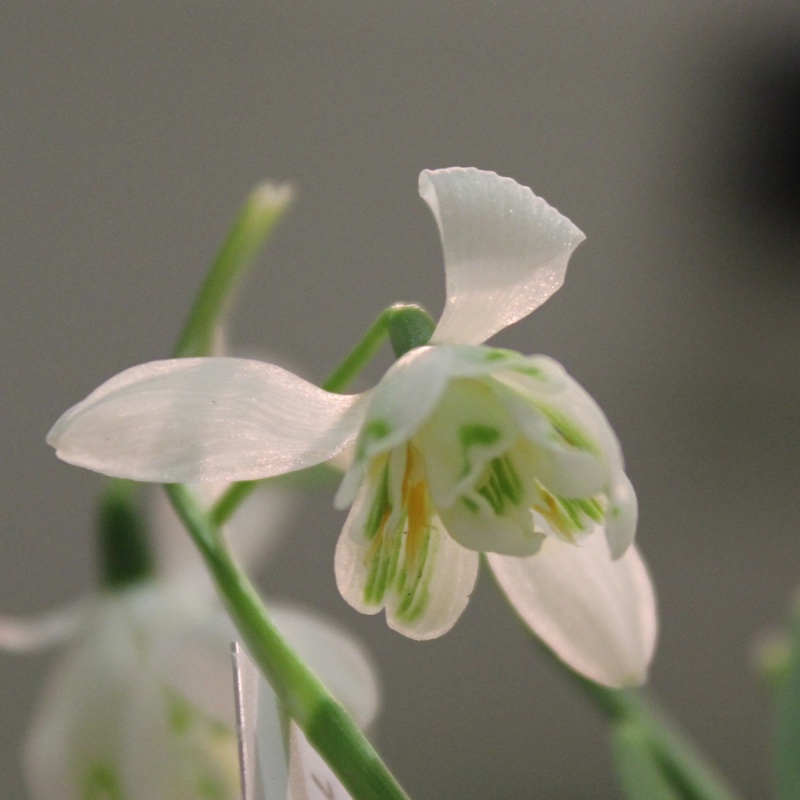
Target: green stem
{"x": 325, "y": 723}
{"x": 124, "y": 550}
{"x": 679, "y": 758}
{"x": 230, "y": 500}
{"x": 316, "y": 477}
{"x": 360, "y": 355}
{"x": 408, "y": 325}
{"x": 262, "y": 210}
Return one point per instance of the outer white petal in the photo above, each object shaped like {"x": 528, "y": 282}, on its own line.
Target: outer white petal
{"x": 598, "y": 615}
{"x": 36, "y": 633}
{"x": 205, "y": 419}
{"x": 505, "y": 250}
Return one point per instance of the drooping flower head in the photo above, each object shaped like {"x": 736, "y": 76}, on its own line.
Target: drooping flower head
{"x": 460, "y": 449}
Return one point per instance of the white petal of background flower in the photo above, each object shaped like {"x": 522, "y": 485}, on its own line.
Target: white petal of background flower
{"x": 336, "y": 656}
{"x": 37, "y": 633}
{"x": 597, "y": 614}
{"x": 117, "y": 676}
{"x": 345, "y": 668}
{"x": 252, "y": 534}
{"x": 205, "y": 419}
{"x": 505, "y": 250}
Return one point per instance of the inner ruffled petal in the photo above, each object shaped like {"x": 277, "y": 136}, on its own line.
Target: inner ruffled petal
{"x": 395, "y": 554}
{"x": 467, "y": 430}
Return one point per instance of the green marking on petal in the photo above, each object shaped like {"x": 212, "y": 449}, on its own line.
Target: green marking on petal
{"x": 566, "y": 429}
{"x": 210, "y": 787}
{"x": 492, "y": 355}
{"x": 181, "y": 714}
{"x": 417, "y": 594}
{"x": 377, "y": 429}
{"x": 569, "y": 515}
{"x": 470, "y": 504}
{"x": 507, "y": 479}
{"x": 470, "y": 435}
{"x": 501, "y": 487}
{"x": 383, "y": 564}
{"x": 102, "y": 783}
{"x": 381, "y": 506}
{"x": 594, "y": 509}
{"x": 532, "y": 372}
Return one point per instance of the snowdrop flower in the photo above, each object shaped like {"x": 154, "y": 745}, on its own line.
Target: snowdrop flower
{"x": 140, "y": 706}
{"x": 460, "y": 449}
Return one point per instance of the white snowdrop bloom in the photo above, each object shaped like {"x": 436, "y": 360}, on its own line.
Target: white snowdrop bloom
{"x": 460, "y": 449}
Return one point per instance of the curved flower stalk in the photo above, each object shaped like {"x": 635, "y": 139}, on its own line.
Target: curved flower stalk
{"x": 460, "y": 449}
{"x": 140, "y": 705}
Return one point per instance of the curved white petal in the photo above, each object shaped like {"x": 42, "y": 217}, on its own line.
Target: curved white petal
{"x": 449, "y": 579}
{"x": 205, "y": 419}
{"x": 37, "y": 633}
{"x": 336, "y": 656}
{"x": 598, "y": 615}
{"x": 505, "y": 250}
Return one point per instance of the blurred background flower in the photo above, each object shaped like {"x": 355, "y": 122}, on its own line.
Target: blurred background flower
{"x": 666, "y": 131}
{"x": 140, "y": 704}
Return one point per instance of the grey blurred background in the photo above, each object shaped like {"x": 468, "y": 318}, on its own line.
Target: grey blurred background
{"x": 129, "y": 135}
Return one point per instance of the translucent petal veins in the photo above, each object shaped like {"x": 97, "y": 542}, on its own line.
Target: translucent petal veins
{"x": 206, "y": 419}
{"x": 505, "y": 250}
{"x": 597, "y": 614}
